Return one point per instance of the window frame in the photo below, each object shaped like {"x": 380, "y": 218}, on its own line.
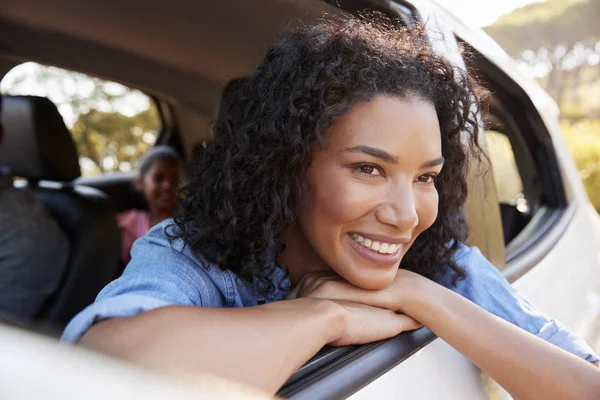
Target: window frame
{"x": 553, "y": 212}
{"x": 166, "y": 133}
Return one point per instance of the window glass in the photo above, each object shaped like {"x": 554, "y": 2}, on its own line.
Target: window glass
{"x": 509, "y": 186}
{"x": 112, "y": 125}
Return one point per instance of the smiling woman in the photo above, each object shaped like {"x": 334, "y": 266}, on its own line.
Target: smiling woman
{"x": 328, "y": 209}
{"x": 374, "y": 180}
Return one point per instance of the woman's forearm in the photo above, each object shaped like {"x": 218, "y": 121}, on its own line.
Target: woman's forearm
{"x": 261, "y": 346}
{"x": 526, "y": 366}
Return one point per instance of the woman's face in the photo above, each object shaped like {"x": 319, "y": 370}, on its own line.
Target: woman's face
{"x": 371, "y": 190}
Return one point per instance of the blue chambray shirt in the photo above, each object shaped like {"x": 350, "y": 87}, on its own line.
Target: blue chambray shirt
{"x": 163, "y": 273}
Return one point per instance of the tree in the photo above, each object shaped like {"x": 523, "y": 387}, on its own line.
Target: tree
{"x": 112, "y": 125}
{"x": 560, "y": 39}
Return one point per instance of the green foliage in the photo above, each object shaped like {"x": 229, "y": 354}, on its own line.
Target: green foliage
{"x": 112, "y": 125}
{"x": 113, "y": 141}
{"x": 571, "y": 112}
{"x": 583, "y": 139}
{"x": 547, "y": 24}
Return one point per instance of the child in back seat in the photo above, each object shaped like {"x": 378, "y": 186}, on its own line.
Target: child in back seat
{"x": 158, "y": 178}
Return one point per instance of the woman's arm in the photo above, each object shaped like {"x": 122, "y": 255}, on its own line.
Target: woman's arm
{"x": 261, "y": 346}
{"x": 526, "y": 366}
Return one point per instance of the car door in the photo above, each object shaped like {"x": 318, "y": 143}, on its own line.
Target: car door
{"x": 544, "y": 215}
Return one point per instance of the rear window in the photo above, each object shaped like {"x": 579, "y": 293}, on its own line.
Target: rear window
{"x": 112, "y": 125}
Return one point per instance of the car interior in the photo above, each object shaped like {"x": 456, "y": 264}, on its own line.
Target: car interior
{"x": 38, "y": 146}
{"x": 182, "y": 59}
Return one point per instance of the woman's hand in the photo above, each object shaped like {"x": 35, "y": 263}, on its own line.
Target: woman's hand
{"x": 406, "y": 288}
{"x": 371, "y": 307}
{"x": 365, "y": 324}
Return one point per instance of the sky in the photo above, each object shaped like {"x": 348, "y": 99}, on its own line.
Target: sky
{"x": 483, "y": 12}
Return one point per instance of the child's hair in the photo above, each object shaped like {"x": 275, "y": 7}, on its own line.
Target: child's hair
{"x": 155, "y": 154}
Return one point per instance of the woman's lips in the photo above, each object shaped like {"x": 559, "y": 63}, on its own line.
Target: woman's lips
{"x": 372, "y": 250}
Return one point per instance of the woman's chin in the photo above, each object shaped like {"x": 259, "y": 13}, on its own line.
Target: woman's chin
{"x": 376, "y": 280}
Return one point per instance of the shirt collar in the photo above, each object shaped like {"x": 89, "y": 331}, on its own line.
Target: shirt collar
{"x": 281, "y": 283}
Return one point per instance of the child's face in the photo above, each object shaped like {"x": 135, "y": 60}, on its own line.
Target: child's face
{"x": 159, "y": 185}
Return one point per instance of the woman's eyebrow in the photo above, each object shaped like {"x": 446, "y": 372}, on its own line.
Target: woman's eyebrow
{"x": 433, "y": 163}
{"x": 373, "y": 152}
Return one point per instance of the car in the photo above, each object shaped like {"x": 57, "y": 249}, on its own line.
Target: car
{"x": 527, "y": 209}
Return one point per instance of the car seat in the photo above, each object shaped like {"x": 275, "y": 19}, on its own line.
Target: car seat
{"x": 38, "y": 147}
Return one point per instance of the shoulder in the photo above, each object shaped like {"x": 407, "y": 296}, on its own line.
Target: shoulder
{"x": 466, "y": 256}
{"x": 485, "y": 285}
{"x": 165, "y": 267}
{"x": 157, "y": 254}
{"x": 162, "y": 272}
{"x": 475, "y": 265}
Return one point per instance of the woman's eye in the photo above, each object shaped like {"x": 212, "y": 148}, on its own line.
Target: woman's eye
{"x": 427, "y": 178}
{"x": 368, "y": 169}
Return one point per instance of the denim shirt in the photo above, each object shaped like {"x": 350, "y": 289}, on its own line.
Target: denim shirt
{"x": 163, "y": 273}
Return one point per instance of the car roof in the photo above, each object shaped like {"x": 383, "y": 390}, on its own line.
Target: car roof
{"x": 200, "y": 44}
{"x": 189, "y": 51}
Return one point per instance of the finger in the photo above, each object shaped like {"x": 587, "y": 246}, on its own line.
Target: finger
{"x": 369, "y": 324}
{"x": 406, "y": 323}
{"x": 389, "y": 326}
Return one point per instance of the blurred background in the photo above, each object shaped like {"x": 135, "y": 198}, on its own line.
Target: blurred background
{"x": 557, "y": 43}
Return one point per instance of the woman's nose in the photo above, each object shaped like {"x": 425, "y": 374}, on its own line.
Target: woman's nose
{"x": 399, "y": 209}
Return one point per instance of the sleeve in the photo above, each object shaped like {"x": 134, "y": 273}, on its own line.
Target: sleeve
{"x": 159, "y": 274}
{"x": 486, "y": 286}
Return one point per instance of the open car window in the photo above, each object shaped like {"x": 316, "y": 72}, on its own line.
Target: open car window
{"x": 529, "y": 184}
{"x": 112, "y": 125}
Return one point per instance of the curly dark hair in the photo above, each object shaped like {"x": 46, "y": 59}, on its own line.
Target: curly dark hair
{"x": 248, "y": 186}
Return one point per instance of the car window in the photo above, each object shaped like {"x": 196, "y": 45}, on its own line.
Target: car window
{"x": 531, "y": 194}
{"x": 514, "y": 207}
{"x": 509, "y": 186}
{"x": 112, "y": 125}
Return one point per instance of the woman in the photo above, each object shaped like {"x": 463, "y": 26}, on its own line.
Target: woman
{"x": 157, "y": 180}
{"x": 341, "y": 159}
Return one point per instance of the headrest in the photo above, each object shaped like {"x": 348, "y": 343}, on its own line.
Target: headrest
{"x": 37, "y": 144}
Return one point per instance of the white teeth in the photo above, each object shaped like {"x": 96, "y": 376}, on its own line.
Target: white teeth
{"x": 384, "y": 248}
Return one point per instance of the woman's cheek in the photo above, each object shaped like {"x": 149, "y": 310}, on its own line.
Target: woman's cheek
{"x": 340, "y": 198}
{"x": 427, "y": 210}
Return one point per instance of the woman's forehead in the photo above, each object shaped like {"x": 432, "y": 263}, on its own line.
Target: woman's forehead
{"x": 398, "y": 126}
